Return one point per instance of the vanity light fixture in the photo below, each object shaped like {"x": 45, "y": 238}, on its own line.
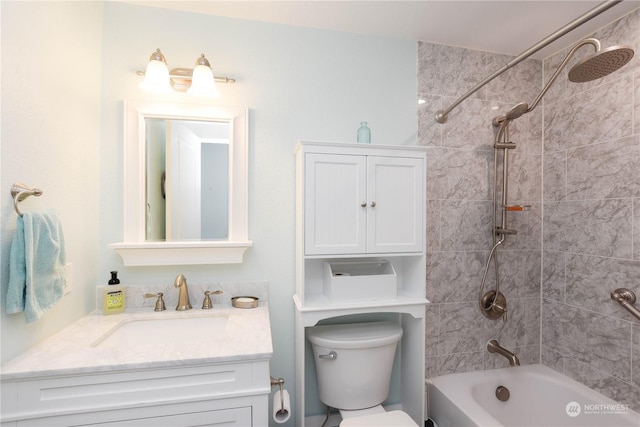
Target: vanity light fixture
{"x": 199, "y": 81}
{"x": 203, "y": 82}
{"x": 156, "y": 77}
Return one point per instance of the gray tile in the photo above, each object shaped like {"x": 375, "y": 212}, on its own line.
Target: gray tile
{"x": 469, "y": 125}
{"x": 429, "y": 131}
{"x": 454, "y": 276}
{"x": 459, "y": 174}
{"x": 453, "y": 364}
{"x": 433, "y": 225}
{"x": 600, "y": 341}
{"x": 635, "y": 355}
{"x": 591, "y": 279}
{"x": 610, "y": 386}
{"x": 518, "y": 84}
{"x": 431, "y": 320}
{"x": 465, "y": 225}
{"x": 532, "y": 322}
{"x": 553, "y": 276}
{"x": 601, "y": 114}
{"x": 449, "y": 71}
{"x": 604, "y": 170}
{"x": 636, "y": 105}
{"x": 555, "y": 176}
{"x": 596, "y": 227}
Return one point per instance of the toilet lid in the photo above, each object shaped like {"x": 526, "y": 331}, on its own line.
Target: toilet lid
{"x": 386, "y": 419}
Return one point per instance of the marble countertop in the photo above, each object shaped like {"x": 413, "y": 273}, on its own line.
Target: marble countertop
{"x": 247, "y": 336}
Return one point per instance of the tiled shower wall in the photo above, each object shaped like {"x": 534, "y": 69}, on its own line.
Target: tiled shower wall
{"x": 592, "y": 222}
{"x": 460, "y": 160}
{"x": 589, "y": 150}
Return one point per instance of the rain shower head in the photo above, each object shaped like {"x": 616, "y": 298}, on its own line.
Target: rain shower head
{"x": 600, "y": 64}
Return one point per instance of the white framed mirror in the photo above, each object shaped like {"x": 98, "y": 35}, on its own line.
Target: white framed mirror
{"x": 185, "y": 184}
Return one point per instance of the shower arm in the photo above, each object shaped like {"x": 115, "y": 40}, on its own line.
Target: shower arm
{"x": 565, "y": 61}
{"x": 441, "y": 115}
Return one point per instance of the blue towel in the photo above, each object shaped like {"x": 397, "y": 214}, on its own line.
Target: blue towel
{"x": 36, "y": 265}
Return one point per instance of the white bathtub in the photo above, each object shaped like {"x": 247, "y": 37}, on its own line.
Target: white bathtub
{"x": 539, "y": 396}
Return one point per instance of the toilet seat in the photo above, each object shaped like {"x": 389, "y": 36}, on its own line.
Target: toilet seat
{"x": 386, "y": 419}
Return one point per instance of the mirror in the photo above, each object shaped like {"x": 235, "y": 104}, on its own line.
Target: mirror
{"x": 187, "y": 179}
{"x": 185, "y": 184}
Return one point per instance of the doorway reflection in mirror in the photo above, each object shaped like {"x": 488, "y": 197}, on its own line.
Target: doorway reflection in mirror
{"x": 187, "y": 179}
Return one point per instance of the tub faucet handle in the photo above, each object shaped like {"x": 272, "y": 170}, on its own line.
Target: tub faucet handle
{"x": 159, "y": 302}
{"x": 206, "y": 303}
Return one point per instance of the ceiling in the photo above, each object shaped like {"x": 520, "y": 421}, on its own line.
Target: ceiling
{"x": 507, "y": 26}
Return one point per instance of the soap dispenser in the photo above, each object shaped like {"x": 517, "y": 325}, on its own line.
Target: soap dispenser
{"x": 113, "y": 296}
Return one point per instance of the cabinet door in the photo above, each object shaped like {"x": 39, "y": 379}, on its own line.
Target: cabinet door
{"x": 233, "y": 417}
{"x": 395, "y": 186}
{"x": 335, "y": 190}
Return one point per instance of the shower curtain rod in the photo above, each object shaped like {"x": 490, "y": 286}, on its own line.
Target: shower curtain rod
{"x": 441, "y": 115}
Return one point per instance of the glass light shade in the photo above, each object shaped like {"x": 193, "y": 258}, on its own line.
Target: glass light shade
{"x": 156, "y": 77}
{"x": 203, "y": 83}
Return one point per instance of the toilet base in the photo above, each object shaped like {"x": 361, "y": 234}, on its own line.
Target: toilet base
{"x": 384, "y": 419}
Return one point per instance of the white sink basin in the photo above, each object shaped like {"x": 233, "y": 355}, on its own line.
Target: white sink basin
{"x": 166, "y": 330}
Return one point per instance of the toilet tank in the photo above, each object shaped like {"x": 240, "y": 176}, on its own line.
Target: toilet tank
{"x": 353, "y": 362}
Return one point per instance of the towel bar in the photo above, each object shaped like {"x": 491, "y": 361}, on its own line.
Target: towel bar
{"x": 19, "y": 192}
{"x": 626, "y": 299}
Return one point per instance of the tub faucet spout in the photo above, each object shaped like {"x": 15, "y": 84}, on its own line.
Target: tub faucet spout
{"x": 494, "y": 346}
{"x": 183, "y": 297}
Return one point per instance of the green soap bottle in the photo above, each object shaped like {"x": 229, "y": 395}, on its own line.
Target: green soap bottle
{"x": 113, "y": 296}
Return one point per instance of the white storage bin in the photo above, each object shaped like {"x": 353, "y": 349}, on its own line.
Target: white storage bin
{"x": 358, "y": 281}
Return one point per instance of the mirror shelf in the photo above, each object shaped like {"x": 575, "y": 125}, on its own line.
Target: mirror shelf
{"x": 136, "y": 249}
{"x": 181, "y": 253}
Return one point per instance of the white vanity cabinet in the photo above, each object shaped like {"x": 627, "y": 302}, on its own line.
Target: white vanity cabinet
{"x": 214, "y": 375}
{"x": 359, "y": 204}
{"x": 229, "y": 394}
{"x": 368, "y": 203}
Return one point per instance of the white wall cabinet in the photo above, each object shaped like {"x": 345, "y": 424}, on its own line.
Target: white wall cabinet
{"x": 363, "y": 204}
{"x": 358, "y": 203}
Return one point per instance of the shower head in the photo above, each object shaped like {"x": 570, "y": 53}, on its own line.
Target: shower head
{"x": 517, "y": 110}
{"x": 600, "y": 64}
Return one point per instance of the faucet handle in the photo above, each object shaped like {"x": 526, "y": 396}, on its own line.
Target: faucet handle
{"x": 206, "y": 303}
{"x": 159, "y": 302}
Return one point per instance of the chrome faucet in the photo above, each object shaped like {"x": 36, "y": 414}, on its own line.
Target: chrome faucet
{"x": 183, "y": 297}
{"x": 494, "y": 346}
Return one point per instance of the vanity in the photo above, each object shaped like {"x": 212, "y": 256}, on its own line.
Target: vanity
{"x": 96, "y": 372}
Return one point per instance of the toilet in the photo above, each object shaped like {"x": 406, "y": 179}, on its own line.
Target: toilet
{"x": 353, "y": 365}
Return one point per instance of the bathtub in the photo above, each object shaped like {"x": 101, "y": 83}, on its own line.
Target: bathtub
{"x": 539, "y": 396}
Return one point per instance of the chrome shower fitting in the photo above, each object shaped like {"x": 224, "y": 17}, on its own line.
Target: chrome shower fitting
{"x": 599, "y": 65}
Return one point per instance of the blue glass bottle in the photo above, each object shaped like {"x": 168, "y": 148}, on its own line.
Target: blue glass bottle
{"x": 364, "y": 134}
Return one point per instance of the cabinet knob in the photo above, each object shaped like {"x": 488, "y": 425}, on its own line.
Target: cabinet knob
{"x": 373, "y": 204}
{"x": 363, "y": 204}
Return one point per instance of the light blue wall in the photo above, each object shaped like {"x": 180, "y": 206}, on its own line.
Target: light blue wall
{"x": 298, "y": 84}
{"x": 51, "y": 139}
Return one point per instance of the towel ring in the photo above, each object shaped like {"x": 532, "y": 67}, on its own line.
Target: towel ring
{"x": 19, "y": 192}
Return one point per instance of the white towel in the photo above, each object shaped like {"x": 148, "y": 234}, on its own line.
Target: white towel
{"x": 36, "y": 265}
